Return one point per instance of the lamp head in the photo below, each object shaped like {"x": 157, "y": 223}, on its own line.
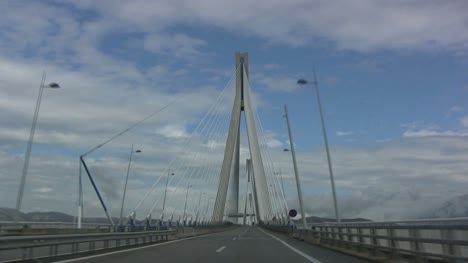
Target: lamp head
{"x": 53, "y": 85}
{"x": 302, "y": 82}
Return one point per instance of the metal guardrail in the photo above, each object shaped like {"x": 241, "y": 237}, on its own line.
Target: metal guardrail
{"x": 424, "y": 239}
{"x": 63, "y": 224}
{"x": 52, "y": 246}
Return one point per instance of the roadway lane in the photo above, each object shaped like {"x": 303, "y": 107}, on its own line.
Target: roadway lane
{"x": 244, "y": 244}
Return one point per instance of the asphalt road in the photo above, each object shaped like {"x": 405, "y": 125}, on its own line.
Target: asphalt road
{"x": 244, "y": 244}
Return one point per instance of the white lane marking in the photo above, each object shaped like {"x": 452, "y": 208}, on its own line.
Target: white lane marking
{"x": 221, "y": 249}
{"x": 248, "y": 228}
{"x": 132, "y": 249}
{"x": 309, "y": 258}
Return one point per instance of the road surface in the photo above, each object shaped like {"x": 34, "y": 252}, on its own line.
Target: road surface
{"x": 244, "y": 244}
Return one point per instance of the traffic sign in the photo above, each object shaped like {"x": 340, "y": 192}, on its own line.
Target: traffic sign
{"x": 292, "y": 213}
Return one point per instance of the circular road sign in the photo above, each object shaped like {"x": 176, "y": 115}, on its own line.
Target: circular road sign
{"x": 292, "y": 213}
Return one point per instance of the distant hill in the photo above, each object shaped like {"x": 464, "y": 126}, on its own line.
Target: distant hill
{"x": 49, "y": 217}
{"x": 455, "y": 207}
{"x": 10, "y": 214}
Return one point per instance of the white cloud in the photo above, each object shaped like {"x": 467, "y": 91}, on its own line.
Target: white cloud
{"x": 272, "y": 141}
{"x": 285, "y": 84}
{"x": 456, "y": 108}
{"x": 358, "y": 25}
{"x": 384, "y": 140}
{"x": 179, "y": 45}
{"x": 429, "y": 133}
{"x": 271, "y": 66}
{"x": 417, "y": 172}
{"x": 464, "y": 121}
{"x": 173, "y": 131}
{"x": 344, "y": 133}
{"x": 43, "y": 190}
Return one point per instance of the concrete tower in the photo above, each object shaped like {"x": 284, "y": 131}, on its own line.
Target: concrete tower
{"x": 229, "y": 177}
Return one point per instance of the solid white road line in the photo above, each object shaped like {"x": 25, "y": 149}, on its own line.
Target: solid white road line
{"x": 311, "y": 259}
{"x": 132, "y": 249}
{"x": 221, "y": 249}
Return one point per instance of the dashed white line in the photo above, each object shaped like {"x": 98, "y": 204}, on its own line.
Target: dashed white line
{"x": 311, "y": 259}
{"x": 221, "y": 249}
{"x": 244, "y": 231}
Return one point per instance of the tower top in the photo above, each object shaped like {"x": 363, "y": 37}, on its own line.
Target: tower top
{"x": 243, "y": 58}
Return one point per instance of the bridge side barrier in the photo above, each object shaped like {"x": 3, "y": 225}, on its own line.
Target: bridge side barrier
{"x": 423, "y": 242}
{"x": 42, "y": 228}
{"x": 55, "y": 247}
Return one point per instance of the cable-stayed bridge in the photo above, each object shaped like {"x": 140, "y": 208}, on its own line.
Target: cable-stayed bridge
{"x": 208, "y": 167}
{"x": 195, "y": 211}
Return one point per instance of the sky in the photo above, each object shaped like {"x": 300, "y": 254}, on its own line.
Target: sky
{"x": 392, "y": 76}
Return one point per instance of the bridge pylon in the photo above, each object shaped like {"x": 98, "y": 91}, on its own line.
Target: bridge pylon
{"x": 229, "y": 176}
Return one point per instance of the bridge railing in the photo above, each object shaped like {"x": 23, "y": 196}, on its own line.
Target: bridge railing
{"x": 445, "y": 240}
{"x": 9, "y": 228}
{"x": 13, "y": 248}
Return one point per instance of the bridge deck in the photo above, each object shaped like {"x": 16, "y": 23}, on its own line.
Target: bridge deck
{"x": 245, "y": 244}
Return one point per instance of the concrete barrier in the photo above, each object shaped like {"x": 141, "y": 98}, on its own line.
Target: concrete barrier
{"x": 386, "y": 242}
{"x": 58, "y": 247}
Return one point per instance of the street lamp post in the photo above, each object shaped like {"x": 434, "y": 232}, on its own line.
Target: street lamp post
{"x": 280, "y": 173}
{"x": 324, "y": 131}
{"x": 165, "y": 193}
{"x": 198, "y": 207}
{"x": 185, "y": 206}
{"x": 126, "y": 181}
{"x": 296, "y": 170}
{"x": 207, "y": 206}
{"x": 27, "y": 156}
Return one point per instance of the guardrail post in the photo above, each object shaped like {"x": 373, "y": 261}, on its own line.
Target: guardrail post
{"x": 374, "y": 241}
{"x": 361, "y": 243}
{"x": 73, "y": 249}
{"x": 340, "y": 236}
{"x": 415, "y": 245}
{"x": 333, "y": 235}
{"x": 348, "y": 237}
{"x": 24, "y": 253}
{"x": 449, "y": 249}
{"x": 392, "y": 243}
{"x": 326, "y": 235}
{"x": 51, "y": 250}
{"x": 322, "y": 235}
{"x": 30, "y": 252}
